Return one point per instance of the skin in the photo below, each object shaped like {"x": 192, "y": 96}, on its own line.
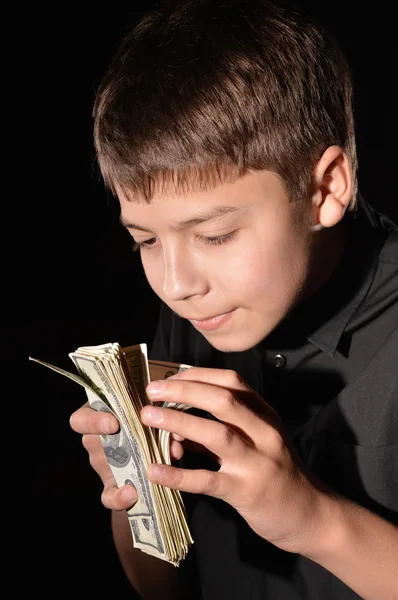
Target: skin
{"x": 276, "y": 257}
{"x": 259, "y": 260}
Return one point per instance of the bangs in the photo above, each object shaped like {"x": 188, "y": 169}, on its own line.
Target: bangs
{"x": 143, "y": 186}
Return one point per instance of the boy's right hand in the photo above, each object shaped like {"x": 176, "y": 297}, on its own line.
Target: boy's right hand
{"x": 91, "y": 424}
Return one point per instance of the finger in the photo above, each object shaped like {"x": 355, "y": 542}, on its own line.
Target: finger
{"x": 222, "y": 377}
{"x": 195, "y": 481}
{"x": 226, "y": 378}
{"x": 245, "y": 412}
{"x": 86, "y": 420}
{"x": 176, "y": 437}
{"x": 92, "y": 443}
{"x": 215, "y": 436}
{"x": 112, "y": 497}
{"x": 176, "y": 450}
{"x": 121, "y": 498}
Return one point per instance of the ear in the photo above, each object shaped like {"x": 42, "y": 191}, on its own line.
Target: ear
{"x": 332, "y": 187}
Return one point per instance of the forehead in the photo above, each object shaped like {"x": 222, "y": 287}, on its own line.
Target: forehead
{"x": 229, "y": 198}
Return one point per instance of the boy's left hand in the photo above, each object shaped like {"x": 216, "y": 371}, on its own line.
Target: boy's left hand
{"x": 261, "y": 474}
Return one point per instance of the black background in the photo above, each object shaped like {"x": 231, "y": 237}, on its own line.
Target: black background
{"x": 83, "y": 284}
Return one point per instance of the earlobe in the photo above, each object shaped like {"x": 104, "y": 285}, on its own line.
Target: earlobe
{"x": 333, "y": 193}
{"x": 331, "y": 211}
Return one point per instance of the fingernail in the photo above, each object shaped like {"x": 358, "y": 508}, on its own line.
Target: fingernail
{"x": 155, "y": 471}
{"x": 107, "y": 425}
{"x": 152, "y": 414}
{"x": 129, "y": 494}
{"x": 155, "y": 388}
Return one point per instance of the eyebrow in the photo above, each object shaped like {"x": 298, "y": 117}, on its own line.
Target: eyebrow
{"x": 215, "y": 213}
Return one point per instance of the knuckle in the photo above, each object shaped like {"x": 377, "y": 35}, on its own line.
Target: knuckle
{"x": 91, "y": 442}
{"x": 181, "y": 419}
{"x": 227, "y": 400}
{"x": 105, "y": 499}
{"x": 180, "y": 478}
{"x": 180, "y": 391}
{"x": 109, "y": 497}
{"x": 275, "y": 442}
{"x": 209, "y": 484}
{"x": 87, "y": 442}
{"x": 233, "y": 378}
{"x": 224, "y": 435}
{"x": 177, "y": 478}
{"x": 93, "y": 460}
{"x": 93, "y": 445}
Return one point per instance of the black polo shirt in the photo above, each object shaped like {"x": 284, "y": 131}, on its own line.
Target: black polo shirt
{"x": 330, "y": 370}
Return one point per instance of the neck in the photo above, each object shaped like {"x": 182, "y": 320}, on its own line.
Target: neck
{"x": 328, "y": 249}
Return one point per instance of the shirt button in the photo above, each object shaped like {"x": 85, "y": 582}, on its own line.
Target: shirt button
{"x": 279, "y": 361}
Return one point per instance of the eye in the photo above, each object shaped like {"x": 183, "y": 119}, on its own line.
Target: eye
{"x": 217, "y": 240}
{"x": 146, "y": 244}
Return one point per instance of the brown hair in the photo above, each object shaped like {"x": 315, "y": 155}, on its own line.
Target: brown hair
{"x": 202, "y": 91}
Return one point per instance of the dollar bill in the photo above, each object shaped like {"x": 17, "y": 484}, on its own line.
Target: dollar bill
{"x": 137, "y": 363}
{"x": 160, "y": 369}
{"x": 124, "y": 458}
{"x": 115, "y": 380}
{"x": 90, "y": 365}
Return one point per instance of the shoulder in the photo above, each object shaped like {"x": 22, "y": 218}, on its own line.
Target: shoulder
{"x": 384, "y": 288}
{"x": 379, "y": 235}
{"x": 389, "y": 250}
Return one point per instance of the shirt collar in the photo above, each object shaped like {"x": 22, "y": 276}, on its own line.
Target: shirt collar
{"x": 323, "y": 318}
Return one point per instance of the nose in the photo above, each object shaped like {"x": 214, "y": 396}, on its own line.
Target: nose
{"x": 182, "y": 277}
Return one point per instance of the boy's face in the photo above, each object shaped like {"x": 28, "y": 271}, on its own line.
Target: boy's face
{"x": 250, "y": 261}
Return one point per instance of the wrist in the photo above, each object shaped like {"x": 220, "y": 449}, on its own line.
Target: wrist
{"x": 329, "y": 529}
{"x": 359, "y": 547}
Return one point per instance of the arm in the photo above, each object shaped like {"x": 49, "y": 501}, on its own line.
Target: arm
{"x": 151, "y": 577}
{"x": 359, "y": 547}
{"x": 264, "y": 479}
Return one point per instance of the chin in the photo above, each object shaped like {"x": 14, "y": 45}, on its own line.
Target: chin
{"x": 235, "y": 342}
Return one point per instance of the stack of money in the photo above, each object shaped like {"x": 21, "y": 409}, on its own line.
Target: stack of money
{"x": 115, "y": 380}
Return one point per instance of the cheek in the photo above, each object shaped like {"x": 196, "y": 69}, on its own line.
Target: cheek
{"x": 245, "y": 272}
{"x": 272, "y": 271}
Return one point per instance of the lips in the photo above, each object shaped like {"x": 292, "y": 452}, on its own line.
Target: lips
{"x": 211, "y": 323}
{"x": 208, "y": 318}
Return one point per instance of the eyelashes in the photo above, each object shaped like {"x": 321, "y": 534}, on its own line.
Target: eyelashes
{"x": 216, "y": 240}
{"x": 139, "y": 245}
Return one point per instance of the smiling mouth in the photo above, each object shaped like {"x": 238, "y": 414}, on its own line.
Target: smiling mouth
{"x": 212, "y": 322}
{"x": 209, "y": 318}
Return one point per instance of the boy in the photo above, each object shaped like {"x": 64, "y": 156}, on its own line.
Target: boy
{"x": 225, "y": 130}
